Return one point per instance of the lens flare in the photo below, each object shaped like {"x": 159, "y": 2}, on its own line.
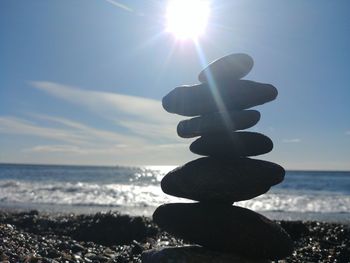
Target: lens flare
{"x": 187, "y": 19}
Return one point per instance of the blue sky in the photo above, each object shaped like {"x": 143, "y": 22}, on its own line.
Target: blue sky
{"x": 81, "y": 81}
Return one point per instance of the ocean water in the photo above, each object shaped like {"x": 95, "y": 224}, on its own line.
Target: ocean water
{"x": 303, "y": 195}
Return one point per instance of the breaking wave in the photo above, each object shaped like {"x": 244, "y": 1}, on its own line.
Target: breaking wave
{"x": 138, "y": 187}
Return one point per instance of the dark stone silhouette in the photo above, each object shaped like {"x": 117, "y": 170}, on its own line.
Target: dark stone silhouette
{"x": 238, "y": 229}
{"x": 226, "y": 175}
{"x": 193, "y": 254}
{"x": 218, "y": 122}
{"x": 204, "y": 98}
{"x": 231, "y": 67}
{"x": 234, "y": 144}
{"x": 213, "y": 180}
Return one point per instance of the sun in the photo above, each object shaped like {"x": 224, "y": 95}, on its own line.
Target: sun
{"x": 187, "y": 19}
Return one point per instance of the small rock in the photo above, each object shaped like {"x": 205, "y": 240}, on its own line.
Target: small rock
{"x": 112, "y": 229}
{"x": 136, "y": 248}
{"x": 234, "y": 144}
{"x": 231, "y": 67}
{"x": 77, "y": 248}
{"x": 212, "y": 180}
{"x": 108, "y": 251}
{"x": 204, "y": 99}
{"x": 53, "y": 253}
{"x": 218, "y": 122}
{"x": 296, "y": 229}
{"x": 192, "y": 254}
{"x": 90, "y": 256}
{"x": 225, "y": 228}
{"x": 32, "y": 258}
{"x": 77, "y": 257}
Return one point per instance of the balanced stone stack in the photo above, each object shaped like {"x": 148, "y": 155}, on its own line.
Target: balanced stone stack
{"x": 225, "y": 175}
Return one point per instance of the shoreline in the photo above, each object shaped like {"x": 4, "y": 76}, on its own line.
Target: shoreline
{"x": 153, "y": 165}
{"x": 147, "y": 211}
{"x": 114, "y": 237}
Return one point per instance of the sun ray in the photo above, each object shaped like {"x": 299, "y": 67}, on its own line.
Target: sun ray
{"x": 214, "y": 89}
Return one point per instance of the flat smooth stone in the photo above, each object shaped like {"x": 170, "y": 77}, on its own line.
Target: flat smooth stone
{"x": 229, "y": 229}
{"x": 212, "y": 180}
{"x": 204, "y": 99}
{"x": 234, "y": 144}
{"x": 218, "y": 122}
{"x": 231, "y": 67}
{"x": 192, "y": 254}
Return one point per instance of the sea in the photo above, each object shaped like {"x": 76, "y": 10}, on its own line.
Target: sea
{"x": 303, "y": 195}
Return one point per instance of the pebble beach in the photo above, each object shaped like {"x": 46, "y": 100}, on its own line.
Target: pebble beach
{"x": 111, "y": 237}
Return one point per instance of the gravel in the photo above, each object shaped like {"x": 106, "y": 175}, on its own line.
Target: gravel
{"x": 112, "y": 237}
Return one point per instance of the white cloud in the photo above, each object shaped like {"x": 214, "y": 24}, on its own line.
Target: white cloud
{"x": 92, "y": 134}
{"x": 347, "y": 132}
{"x": 12, "y": 125}
{"x": 55, "y": 149}
{"x": 142, "y": 116}
{"x": 110, "y": 104}
{"x": 155, "y": 131}
{"x": 294, "y": 140}
{"x": 120, "y": 5}
{"x": 143, "y": 133}
{"x": 73, "y": 132}
{"x": 124, "y": 7}
{"x": 87, "y": 145}
{"x": 114, "y": 149}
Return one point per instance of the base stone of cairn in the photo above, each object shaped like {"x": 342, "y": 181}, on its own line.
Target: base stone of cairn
{"x": 225, "y": 233}
{"x": 193, "y": 254}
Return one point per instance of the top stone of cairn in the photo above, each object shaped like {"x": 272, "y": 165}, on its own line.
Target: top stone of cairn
{"x": 222, "y": 89}
{"x": 231, "y": 67}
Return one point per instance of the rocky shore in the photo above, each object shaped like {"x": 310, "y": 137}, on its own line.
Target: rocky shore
{"x": 111, "y": 237}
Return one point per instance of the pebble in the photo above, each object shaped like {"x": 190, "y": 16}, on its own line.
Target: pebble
{"x": 231, "y": 67}
{"x": 212, "y": 180}
{"x": 204, "y": 99}
{"x": 229, "y": 229}
{"x": 192, "y": 254}
{"x": 234, "y": 144}
{"x": 218, "y": 122}
{"x": 17, "y": 242}
{"x": 77, "y": 248}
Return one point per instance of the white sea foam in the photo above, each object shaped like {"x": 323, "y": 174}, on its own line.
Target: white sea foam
{"x": 299, "y": 202}
{"x": 138, "y": 196}
{"x": 83, "y": 194}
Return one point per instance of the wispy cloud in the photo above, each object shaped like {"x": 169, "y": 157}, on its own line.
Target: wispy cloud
{"x": 107, "y": 103}
{"x": 90, "y": 133}
{"x": 12, "y": 125}
{"x": 152, "y": 130}
{"x": 73, "y": 149}
{"x": 73, "y": 132}
{"x": 120, "y": 5}
{"x": 141, "y": 116}
{"x": 55, "y": 149}
{"x": 347, "y": 132}
{"x": 293, "y": 140}
{"x": 124, "y": 7}
{"x": 139, "y": 130}
{"x": 83, "y": 144}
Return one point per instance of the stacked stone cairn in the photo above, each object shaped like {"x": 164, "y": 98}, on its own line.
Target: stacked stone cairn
{"x": 225, "y": 175}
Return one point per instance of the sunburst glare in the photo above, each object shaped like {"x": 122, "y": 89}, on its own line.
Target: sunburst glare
{"x": 187, "y": 19}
